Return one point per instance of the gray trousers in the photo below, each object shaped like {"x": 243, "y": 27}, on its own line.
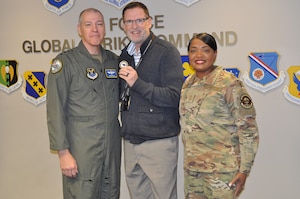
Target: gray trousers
{"x": 151, "y": 168}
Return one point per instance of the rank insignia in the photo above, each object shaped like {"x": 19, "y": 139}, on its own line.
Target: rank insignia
{"x": 111, "y": 73}
{"x": 263, "y": 75}
{"x": 292, "y": 92}
{"x": 117, "y": 3}
{"x": 35, "y": 90}
{"x": 58, "y": 6}
{"x": 187, "y": 3}
{"x": 91, "y": 73}
{"x": 9, "y": 80}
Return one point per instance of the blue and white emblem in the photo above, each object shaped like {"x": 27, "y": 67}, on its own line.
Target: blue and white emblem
{"x": 187, "y": 3}
{"x": 117, "y": 3}
{"x": 35, "y": 90}
{"x": 264, "y": 74}
{"x": 91, "y": 73}
{"x": 292, "y": 92}
{"x": 111, "y": 73}
{"x": 234, "y": 71}
{"x": 58, "y": 6}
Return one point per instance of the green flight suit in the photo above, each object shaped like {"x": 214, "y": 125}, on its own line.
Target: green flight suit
{"x": 82, "y": 114}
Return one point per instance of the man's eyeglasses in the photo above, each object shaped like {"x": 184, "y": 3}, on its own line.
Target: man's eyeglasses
{"x": 137, "y": 21}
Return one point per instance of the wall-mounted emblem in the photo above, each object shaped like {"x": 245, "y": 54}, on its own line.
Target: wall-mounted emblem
{"x": 117, "y": 3}
{"x": 58, "y": 6}
{"x": 9, "y": 80}
{"x": 292, "y": 92}
{"x": 35, "y": 90}
{"x": 187, "y": 68}
{"x": 234, "y": 71}
{"x": 263, "y": 75}
{"x": 187, "y": 3}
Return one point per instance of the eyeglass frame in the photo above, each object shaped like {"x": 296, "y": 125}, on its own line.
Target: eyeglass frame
{"x": 139, "y": 21}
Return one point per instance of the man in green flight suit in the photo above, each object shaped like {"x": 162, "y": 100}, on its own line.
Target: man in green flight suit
{"x": 82, "y": 114}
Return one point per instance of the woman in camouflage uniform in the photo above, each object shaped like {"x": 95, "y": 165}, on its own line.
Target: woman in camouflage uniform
{"x": 218, "y": 126}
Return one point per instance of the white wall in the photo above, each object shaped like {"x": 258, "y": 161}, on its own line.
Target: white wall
{"x": 27, "y": 168}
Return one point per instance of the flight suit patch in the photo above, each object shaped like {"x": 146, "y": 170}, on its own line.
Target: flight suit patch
{"x": 56, "y": 66}
{"x": 91, "y": 73}
{"x": 111, "y": 73}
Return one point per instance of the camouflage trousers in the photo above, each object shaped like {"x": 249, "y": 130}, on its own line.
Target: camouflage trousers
{"x": 208, "y": 185}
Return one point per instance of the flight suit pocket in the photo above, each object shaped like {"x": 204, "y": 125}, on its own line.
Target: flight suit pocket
{"x": 80, "y": 188}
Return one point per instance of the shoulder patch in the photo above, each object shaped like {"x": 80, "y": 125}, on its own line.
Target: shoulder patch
{"x": 56, "y": 66}
{"x": 246, "y": 101}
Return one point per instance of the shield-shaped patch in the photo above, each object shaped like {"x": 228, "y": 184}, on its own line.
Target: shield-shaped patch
{"x": 187, "y": 3}
{"x": 263, "y": 74}
{"x": 35, "y": 90}
{"x": 9, "y": 80}
{"x": 292, "y": 92}
{"x": 58, "y": 6}
{"x": 117, "y": 3}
